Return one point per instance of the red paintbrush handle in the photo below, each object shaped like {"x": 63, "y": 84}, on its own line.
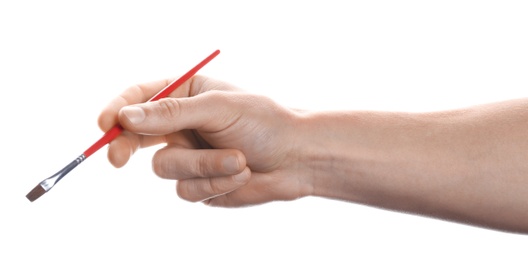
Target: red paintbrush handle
{"x": 107, "y": 138}
{"x": 175, "y": 84}
{"x": 117, "y": 129}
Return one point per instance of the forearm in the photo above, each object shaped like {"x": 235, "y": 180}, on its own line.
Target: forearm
{"x": 468, "y": 165}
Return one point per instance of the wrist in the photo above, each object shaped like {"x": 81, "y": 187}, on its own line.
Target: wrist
{"x": 364, "y": 157}
{"x": 326, "y": 155}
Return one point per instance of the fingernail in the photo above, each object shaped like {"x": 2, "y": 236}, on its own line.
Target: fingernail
{"x": 230, "y": 164}
{"x": 135, "y": 115}
{"x": 241, "y": 177}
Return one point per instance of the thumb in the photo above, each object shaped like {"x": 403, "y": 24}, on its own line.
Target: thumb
{"x": 208, "y": 112}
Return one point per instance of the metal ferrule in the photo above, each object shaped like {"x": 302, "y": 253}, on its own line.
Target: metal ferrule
{"x": 48, "y": 183}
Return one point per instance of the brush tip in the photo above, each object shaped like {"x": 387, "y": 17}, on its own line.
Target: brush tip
{"x": 35, "y": 193}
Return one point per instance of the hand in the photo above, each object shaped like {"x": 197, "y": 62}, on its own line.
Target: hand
{"x": 225, "y": 147}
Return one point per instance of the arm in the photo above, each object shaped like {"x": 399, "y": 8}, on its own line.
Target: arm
{"x": 468, "y": 165}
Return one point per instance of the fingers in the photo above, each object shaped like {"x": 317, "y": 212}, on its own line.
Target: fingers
{"x": 220, "y": 177}
{"x": 211, "y": 111}
{"x": 179, "y": 164}
{"x": 204, "y": 188}
{"x": 262, "y": 188}
{"x": 142, "y": 92}
{"x": 202, "y": 173}
{"x": 121, "y": 149}
{"x": 133, "y": 95}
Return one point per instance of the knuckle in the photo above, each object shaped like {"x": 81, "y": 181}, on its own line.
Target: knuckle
{"x": 201, "y": 166}
{"x": 169, "y": 108}
{"x": 217, "y": 96}
{"x": 211, "y": 187}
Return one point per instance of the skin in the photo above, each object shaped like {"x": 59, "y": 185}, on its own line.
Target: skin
{"x": 229, "y": 148}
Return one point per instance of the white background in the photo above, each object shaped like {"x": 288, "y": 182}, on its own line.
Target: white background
{"x": 61, "y": 62}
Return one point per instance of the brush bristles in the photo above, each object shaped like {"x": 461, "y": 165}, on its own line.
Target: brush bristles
{"x": 35, "y": 193}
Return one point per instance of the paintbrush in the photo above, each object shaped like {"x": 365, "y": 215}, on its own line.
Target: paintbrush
{"x": 45, "y": 185}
